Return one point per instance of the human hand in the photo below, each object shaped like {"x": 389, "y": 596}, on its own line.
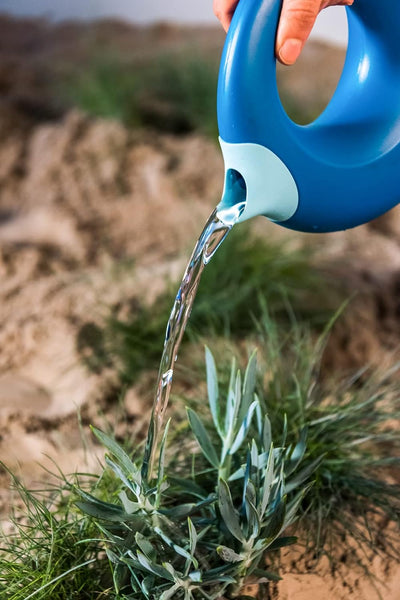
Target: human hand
{"x": 295, "y": 25}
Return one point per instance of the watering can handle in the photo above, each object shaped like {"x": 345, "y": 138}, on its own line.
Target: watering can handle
{"x": 337, "y": 172}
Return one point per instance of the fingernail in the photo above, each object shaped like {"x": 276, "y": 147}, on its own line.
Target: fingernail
{"x": 289, "y": 52}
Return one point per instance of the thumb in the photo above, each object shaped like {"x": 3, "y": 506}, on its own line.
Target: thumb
{"x": 295, "y": 25}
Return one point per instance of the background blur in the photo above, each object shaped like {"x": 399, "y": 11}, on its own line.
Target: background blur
{"x": 330, "y": 26}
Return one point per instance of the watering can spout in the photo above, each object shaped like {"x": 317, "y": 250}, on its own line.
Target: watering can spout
{"x": 256, "y": 177}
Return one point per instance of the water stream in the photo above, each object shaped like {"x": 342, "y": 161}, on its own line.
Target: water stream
{"x": 215, "y": 231}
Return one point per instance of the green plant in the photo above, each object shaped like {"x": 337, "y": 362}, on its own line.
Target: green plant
{"x": 174, "y": 92}
{"x": 51, "y": 551}
{"x": 352, "y": 423}
{"x": 229, "y": 300}
{"x": 197, "y": 530}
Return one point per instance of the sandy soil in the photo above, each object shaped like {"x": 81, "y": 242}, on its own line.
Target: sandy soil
{"x": 81, "y": 202}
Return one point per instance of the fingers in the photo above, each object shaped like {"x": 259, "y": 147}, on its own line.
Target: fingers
{"x": 296, "y": 22}
{"x": 295, "y": 25}
{"x": 223, "y": 10}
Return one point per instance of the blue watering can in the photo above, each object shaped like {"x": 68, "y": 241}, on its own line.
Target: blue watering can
{"x": 343, "y": 169}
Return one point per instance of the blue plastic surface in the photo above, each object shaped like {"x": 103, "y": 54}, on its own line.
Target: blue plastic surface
{"x": 346, "y": 164}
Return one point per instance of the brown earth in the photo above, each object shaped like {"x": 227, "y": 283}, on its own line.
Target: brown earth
{"x": 81, "y": 200}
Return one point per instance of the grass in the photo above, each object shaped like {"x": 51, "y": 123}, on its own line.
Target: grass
{"x": 244, "y": 270}
{"x": 174, "y": 93}
{"x": 46, "y": 555}
{"x": 352, "y": 422}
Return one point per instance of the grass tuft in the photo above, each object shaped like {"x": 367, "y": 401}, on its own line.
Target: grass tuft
{"x": 51, "y": 551}
{"x": 229, "y": 302}
{"x": 175, "y": 93}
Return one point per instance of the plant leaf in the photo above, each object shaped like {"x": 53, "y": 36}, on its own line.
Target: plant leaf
{"x": 121, "y": 475}
{"x": 192, "y": 536}
{"x": 212, "y": 389}
{"x": 228, "y": 555}
{"x": 303, "y": 475}
{"x": 267, "y": 435}
{"x": 170, "y": 593}
{"x": 249, "y": 385}
{"x": 233, "y": 406}
{"x": 102, "y": 510}
{"x": 244, "y": 428}
{"x": 171, "y": 544}
{"x": 203, "y": 438}
{"x": 275, "y": 523}
{"x": 268, "y": 480}
{"x": 154, "y": 568}
{"x": 297, "y": 453}
{"x": 145, "y": 546}
{"x": 228, "y": 511}
{"x": 119, "y": 454}
{"x": 160, "y": 474}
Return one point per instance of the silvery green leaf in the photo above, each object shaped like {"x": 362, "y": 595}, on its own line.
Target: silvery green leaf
{"x": 267, "y": 435}
{"x": 195, "y": 576}
{"x": 171, "y": 544}
{"x": 171, "y": 569}
{"x": 154, "y": 568}
{"x": 112, "y": 557}
{"x": 259, "y": 417}
{"x": 254, "y": 456}
{"x": 297, "y": 453}
{"x": 101, "y": 510}
{"x": 219, "y": 574}
{"x": 129, "y": 506}
{"x": 228, "y": 555}
{"x": 244, "y": 428}
{"x": 119, "y": 576}
{"x": 192, "y": 536}
{"x": 170, "y": 593}
{"x": 284, "y": 432}
{"x": 247, "y": 473}
{"x": 232, "y": 374}
{"x": 275, "y": 523}
{"x": 212, "y": 388}
{"x": 121, "y": 475}
{"x": 253, "y": 519}
{"x": 147, "y": 585}
{"x": 302, "y": 475}
{"x": 145, "y": 546}
{"x": 282, "y": 542}
{"x": 228, "y": 511}
{"x": 250, "y": 493}
{"x": 119, "y": 454}
{"x": 266, "y": 576}
{"x": 160, "y": 474}
{"x": 239, "y": 474}
{"x": 203, "y": 438}
{"x": 268, "y": 480}
{"x": 294, "y": 504}
{"x": 233, "y": 406}
{"x": 249, "y": 384}
{"x": 179, "y": 511}
{"x": 136, "y": 583}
